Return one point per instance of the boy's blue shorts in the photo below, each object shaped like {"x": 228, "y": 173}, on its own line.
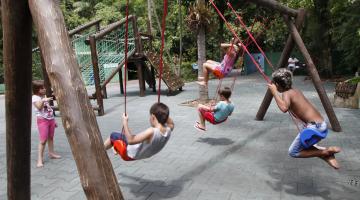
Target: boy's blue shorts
{"x": 118, "y": 136}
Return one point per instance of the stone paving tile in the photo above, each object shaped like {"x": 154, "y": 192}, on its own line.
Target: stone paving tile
{"x": 239, "y": 159}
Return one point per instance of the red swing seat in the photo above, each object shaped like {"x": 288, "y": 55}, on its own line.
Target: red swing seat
{"x": 120, "y": 148}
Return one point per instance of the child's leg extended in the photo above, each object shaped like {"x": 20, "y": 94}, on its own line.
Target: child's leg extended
{"x": 201, "y": 117}
{"x": 207, "y": 68}
{"x": 107, "y": 144}
{"x": 296, "y": 150}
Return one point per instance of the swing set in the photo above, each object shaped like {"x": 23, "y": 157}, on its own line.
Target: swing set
{"x": 308, "y": 136}
{"x": 95, "y": 170}
{"x": 120, "y": 145}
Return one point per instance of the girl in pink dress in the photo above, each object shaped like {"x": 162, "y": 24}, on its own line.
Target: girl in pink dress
{"x": 220, "y": 70}
{"x": 45, "y": 121}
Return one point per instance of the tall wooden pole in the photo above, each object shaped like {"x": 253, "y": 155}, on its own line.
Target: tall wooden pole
{"x": 314, "y": 75}
{"x": 95, "y": 170}
{"x": 289, "y": 46}
{"x": 16, "y": 22}
{"x": 96, "y": 75}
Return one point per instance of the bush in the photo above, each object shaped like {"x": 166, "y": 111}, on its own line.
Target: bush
{"x": 187, "y": 72}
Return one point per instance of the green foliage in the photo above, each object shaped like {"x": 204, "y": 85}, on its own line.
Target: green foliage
{"x": 345, "y": 32}
{"x": 344, "y": 28}
{"x": 354, "y": 80}
{"x": 199, "y": 15}
{"x": 187, "y": 72}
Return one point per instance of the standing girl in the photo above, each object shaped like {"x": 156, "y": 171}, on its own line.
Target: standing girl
{"x": 45, "y": 121}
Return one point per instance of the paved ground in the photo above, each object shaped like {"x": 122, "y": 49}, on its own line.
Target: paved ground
{"x": 240, "y": 159}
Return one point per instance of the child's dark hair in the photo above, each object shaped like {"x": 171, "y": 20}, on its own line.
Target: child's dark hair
{"x": 37, "y": 85}
{"x": 283, "y": 78}
{"x": 161, "y": 112}
{"x": 226, "y": 92}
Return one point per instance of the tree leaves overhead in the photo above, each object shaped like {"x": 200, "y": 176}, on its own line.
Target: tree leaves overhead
{"x": 344, "y": 30}
{"x": 199, "y": 15}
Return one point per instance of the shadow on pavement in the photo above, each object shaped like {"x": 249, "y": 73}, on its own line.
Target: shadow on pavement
{"x": 216, "y": 141}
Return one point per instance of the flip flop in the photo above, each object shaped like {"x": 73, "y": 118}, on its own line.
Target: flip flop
{"x": 199, "y": 128}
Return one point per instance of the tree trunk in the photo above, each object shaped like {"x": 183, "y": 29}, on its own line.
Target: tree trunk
{"x": 201, "y": 50}
{"x": 16, "y": 24}
{"x": 149, "y": 12}
{"x": 323, "y": 37}
{"x": 95, "y": 170}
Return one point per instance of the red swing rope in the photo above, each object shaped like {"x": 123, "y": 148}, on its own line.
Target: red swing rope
{"x": 244, "y": 47}
{"x": 252, "y": 58}
{"x": 126, "y": 49}
{"x": 250, "y": 35}
{"x": 163, "y": 26}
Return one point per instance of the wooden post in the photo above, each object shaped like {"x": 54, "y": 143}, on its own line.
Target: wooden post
{"x": 121, "y": 81}
{"x": 96, "y": 74}
{"x": 314, "y": 75}
{"x": 137, "y": 37}
{"x": 274, "y": 5}
{"x": 153, "y": 77}
{"x": 95, "y": 170}
{"x": 282, "y": 62}
{"x": 299, "y": 22}
{"x": 140, "y": 74}
{"x": 16, "y": 23}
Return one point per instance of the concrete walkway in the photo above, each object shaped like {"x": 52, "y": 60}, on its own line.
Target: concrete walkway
{"x": 240, "y": 159}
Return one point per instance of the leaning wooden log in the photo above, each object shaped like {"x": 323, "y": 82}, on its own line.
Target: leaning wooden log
{"x": 95, "y": 170}
{"x": 282, "y": 62}
{"x": 314, "y": 75}
{"x": 16, "y": 24}
{"x": 272, "y": 4}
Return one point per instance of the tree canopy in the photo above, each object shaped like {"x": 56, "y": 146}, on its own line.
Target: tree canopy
{"x": 332, "y": 26}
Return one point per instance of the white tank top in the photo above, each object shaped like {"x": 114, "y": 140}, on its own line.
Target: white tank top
{"x": 146, "y": 150}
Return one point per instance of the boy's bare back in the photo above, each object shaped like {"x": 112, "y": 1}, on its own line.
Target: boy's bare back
{"x": 301, "y": 107}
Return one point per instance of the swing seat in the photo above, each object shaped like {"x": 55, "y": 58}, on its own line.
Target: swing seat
{"x": 215, "y": 122}
{"x": 120, "y": 148}
{"x": 218, "y": 74}
{"x": 309, "y": 137}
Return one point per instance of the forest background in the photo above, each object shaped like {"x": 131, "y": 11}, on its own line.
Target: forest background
{"x": 331, "y": 34}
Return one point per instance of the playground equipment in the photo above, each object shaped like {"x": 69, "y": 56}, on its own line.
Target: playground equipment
{"x": 293, "y": 38}
{"x": 100, "y": 55}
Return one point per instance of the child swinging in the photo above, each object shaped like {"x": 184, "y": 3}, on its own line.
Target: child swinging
{"x": 220, "y": 70}
{"x": 217, "y": 114}
{"x": 147, "y": 143}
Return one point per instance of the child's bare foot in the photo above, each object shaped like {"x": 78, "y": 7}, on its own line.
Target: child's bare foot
{"x": 201, "y": 83}
{"x": 333, "y": 150}
{"x": 54, "y": 156}
{"x": 200, "y": 78}
{"x": 39, "y": 164}
{"x": 331, "y": 160}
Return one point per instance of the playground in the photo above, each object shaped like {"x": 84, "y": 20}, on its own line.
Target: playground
{"x": 242, "y": 116}
{"x": 231, "y": 161}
